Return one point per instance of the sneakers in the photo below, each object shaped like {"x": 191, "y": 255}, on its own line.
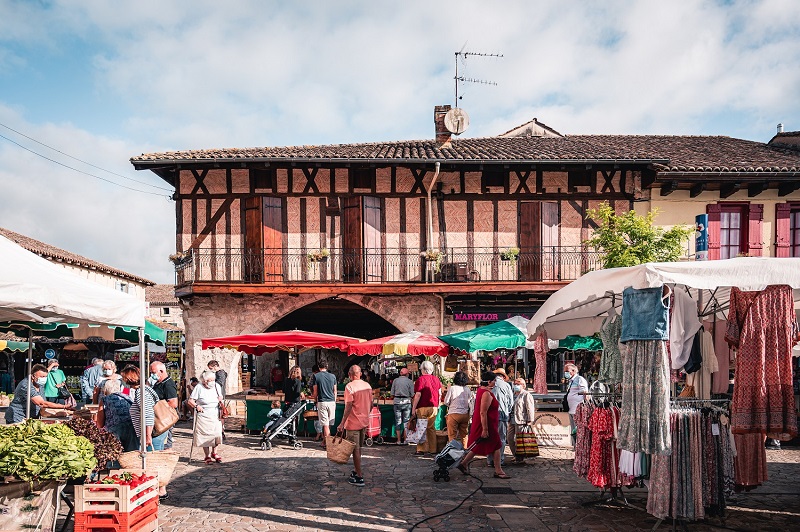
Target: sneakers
{"x": 355, "y": 480}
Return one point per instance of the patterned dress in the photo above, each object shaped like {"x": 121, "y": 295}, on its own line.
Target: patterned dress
{"x": 540, "y": 373}
{"x": 762, "y": 325}
{"x": 600, "y": 458}
{"x": 644, "y": 426}
{"x": 583, "y": 439}
{"x": 611, "y": 360}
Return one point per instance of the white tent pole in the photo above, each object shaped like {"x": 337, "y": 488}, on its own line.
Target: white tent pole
{"x": 30, "y": 381}
{"x": 142, "y": 384}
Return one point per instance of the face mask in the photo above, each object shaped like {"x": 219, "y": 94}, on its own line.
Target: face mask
{"x": 566, "y": 375}
{"x": 41, "y": 381}
{"x": 516, "y": 387}
{"x": 108, "y": 372}
{"x": 153, "y": 379}
{"x": 207, "y": 384}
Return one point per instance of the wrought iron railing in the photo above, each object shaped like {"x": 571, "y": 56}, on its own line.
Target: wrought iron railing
{"x": 365, "y": 266}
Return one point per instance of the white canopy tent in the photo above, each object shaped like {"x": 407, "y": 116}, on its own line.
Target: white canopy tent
{"x": 35, "y": 290}
{"x": 580, "y": 307}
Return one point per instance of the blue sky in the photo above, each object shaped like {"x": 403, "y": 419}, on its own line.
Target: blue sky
{"x": 103, "y": 81}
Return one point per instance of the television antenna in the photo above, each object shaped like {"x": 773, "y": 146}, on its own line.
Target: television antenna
{"x": 461, "y": 54}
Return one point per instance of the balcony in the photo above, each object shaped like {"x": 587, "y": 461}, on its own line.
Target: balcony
{"x": 382, "y": 266}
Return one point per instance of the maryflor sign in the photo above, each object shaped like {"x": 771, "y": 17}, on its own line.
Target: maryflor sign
{"x": 487, "y": 315}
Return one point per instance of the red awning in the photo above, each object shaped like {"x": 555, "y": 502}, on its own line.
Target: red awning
{"x": 296, "y": 340}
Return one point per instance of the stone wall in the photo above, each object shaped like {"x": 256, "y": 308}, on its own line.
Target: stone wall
{"x": 224, "y": 315}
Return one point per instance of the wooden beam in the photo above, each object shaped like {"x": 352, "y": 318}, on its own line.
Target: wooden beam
{"x": 784, "y": 189}
{"x": 754, "y": 189}
{"x": 211, "y": 223}
{"x": 648, "y": 178}
{"x": 668, "y": 188}
{"x": 727, "y": 190}
{"x": 696, "y": 190}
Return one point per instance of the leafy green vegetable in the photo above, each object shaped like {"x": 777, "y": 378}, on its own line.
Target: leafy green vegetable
{"x": 37, "y": 451}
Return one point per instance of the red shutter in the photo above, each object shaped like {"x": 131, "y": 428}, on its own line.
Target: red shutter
{"x": 713, "y": 211}
{"x": 782, "y": 229}
{"x": 755, "y": 242}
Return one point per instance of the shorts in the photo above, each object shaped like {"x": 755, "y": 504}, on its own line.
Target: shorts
{"x": 327, "y": 413}
{"x": 356, "y": 436}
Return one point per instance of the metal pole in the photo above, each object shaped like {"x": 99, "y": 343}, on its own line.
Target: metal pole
{"x": 30, "y": 381}
{"x": 142, "y": 384}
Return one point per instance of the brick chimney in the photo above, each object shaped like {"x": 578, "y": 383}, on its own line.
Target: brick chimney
{"x": 442, "y": 135}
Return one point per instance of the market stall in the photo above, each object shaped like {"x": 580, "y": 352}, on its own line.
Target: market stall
{"x": 646, "y": 430}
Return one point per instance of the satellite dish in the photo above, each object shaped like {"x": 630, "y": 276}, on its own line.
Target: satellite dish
{"x": 456, "y": 121}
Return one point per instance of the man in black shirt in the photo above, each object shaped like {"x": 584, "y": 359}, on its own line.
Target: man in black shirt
{"x": 166, "y": 389}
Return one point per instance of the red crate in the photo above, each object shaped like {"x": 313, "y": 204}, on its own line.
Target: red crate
{"x": 138, "y": 520}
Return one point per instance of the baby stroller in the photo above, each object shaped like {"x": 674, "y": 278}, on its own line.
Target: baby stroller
{"x": 448, "y": 458}
{"x": 284, "y": 427}
{"x": 374, "y": 429}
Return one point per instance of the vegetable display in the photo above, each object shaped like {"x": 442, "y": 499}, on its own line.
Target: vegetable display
{"x": 37, "y": 451}
{"x": 106, "y": 446}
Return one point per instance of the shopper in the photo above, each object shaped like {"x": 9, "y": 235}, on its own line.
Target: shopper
{"x": 91, "y": 376}
{"x": 16, "y": 411}
{"x": 220, "y": 375}
{"x": 114, "y": 414}
{"x": 109, "y": 372}
{"x": 55, "y": 380}
{"x": 402, "y": 392}
{"x": 276, "y": 377}
{"x": 459, "y": 401}
{"x": 484, "y": 434}
{"x": 323, "y": 391}
{"x": 293, "y": 386}
{"x": 425, "y": 405}
{"x": 205, "y": 400}
{"x": 166, "y": 389}
{"x": 505, "y": 397}
{"x": 523, "y": 414}
{"x": 576, "y": 393}
{"x": 355, "y": 420}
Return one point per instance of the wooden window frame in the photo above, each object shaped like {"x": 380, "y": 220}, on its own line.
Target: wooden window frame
{"x": 787, "y": 237}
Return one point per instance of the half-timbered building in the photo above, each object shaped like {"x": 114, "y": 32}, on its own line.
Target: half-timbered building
{"x": 434, "y": 235}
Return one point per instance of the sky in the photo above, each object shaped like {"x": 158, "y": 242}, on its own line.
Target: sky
{"x": 87, "y": 84}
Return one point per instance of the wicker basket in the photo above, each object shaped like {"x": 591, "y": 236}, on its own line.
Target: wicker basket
{"x": 162, "y": 462}
{"x": 339, "y": 449}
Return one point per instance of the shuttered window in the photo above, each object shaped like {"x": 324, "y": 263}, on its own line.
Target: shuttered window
{"x": 787, "y": 230}
{"x": 734, "y": 228}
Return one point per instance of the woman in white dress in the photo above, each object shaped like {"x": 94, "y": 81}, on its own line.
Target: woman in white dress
{"x": 205, "y": 400}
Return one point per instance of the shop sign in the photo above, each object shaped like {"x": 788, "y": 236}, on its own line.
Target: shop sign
{"x": 701, "y": 237}
{"x": 488, "y": 315}
{"x": 552, "y": 429}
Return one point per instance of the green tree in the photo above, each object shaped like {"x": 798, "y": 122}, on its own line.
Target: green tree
{"x": 629, "y": 239}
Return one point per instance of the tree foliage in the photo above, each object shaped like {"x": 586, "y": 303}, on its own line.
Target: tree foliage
{"x": 629, "y": 239}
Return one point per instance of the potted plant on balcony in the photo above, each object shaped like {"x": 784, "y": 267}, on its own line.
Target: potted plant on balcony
{"x": 510, "y": 254}
{"x": 181, "y": 257}
{"x": 319, "y": 256}
{"x": 433, "y": 256}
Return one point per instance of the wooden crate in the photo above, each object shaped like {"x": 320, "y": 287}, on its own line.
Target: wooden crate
{"x": 104, "y": 498}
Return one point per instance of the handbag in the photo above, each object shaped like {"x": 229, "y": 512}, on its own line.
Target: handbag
{"x": 64, "y": 393}
{"x": 564, "y": 402}
{"x": 418, "y": 435}
{"x": 166, "y": 417}
{"x": 526, "y": 443}
{"x": 339, "y": 449}
{"x": 223, "y": 410}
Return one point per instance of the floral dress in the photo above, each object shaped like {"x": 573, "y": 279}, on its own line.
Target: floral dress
{"x": 611, "y": 360}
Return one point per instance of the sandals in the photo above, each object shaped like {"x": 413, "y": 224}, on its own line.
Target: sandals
{"x": 209, "y": 460}
{"x": 217, "y": 457}
{"x": 501, "y": 475}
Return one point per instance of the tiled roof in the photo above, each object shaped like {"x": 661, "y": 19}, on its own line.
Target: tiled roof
{"x": 160, "y": 294}
{"x": 676, "y": 153}
{"x": 51, "y": 252}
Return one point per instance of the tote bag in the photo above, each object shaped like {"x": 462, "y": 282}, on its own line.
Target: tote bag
{"x": 417, "y": 435}
{"x": 526, "y": 443}
{"x": 166, "y": 417}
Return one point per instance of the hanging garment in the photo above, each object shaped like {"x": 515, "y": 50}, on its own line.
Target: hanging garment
{"x": 611, "y": 359}
{"x": 540, "y": 373}
{"x": 750, "y": 464}
{"x": 701, "y": 380}
{"x": 601, "y": 460}
{"x": 763, "y": 327}
{"x": 583, "y": 439}
{"x": 720, "y": 381}
{"x": 695, "y": 360}
{"x": 644, "y": 426}
{"x": 644, "y": 314}
{"x": 683, "y": 326}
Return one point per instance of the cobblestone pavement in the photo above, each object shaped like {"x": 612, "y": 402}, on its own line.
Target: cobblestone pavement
{"x": 287, "y": 489}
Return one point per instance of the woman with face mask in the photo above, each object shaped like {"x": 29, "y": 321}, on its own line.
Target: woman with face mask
{"x": 205, "y": 399}
{"x": 109, "y": 373}
{"x": 523, "y": 414}
{"x": 55, "y": 380}
{"x": 16, "y": 411}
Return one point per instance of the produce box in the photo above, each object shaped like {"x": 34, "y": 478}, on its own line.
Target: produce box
{"x": 108, "y": 523}
{"x": 119, "y": 494}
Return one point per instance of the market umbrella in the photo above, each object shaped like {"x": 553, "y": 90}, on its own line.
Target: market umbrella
{"x": 579, "y": 307}
{"x": 506, "y": 334}
{"x": 13, "y": 346}
{"x": 55, "y": 330}
{"x": 411, "y": 343}
{"x": 296, "y": 341}
{"x": 578, "y": 343}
